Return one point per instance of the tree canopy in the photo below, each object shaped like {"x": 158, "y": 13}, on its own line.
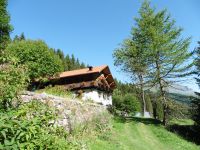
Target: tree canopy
{"x": 156, "y": 53}
{"x": 40, "y": 61}
{"x": 5, "y": 27}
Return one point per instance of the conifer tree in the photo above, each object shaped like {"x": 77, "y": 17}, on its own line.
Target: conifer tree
{"x": 196, "y": 101}
{"x": 5, "y": 27}
{"x": 156, "y": 51}
{"x": 67, "y": 63}
{"x": 19, "y": 38}
{"x": 168, "y": 55}
{"x": 22, "y": 37}
{"x": 73, "y": 62}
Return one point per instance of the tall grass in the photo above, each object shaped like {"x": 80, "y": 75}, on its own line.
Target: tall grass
{"x": 57, "y": 91}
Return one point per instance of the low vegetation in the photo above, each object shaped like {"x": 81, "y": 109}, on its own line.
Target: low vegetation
{"x": 29, "y": 127}
{"x": 154, "y": 55}
{"x": 57, "y": 91}
{"x": 140, "y": 134}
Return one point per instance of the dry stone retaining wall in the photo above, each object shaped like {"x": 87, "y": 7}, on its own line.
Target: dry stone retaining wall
{"x": 71, "y": 112}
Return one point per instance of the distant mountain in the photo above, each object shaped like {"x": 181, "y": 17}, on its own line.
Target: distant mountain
{"x": 177, "y": 89}
{"x": 179, "y": 93}
{"x": 182, "y": 90}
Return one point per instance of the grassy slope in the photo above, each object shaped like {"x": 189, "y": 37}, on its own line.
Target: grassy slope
{"x": 140, "y": 134}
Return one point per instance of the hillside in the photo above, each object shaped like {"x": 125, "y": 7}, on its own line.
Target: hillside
{"x": 178, "y": 93}
{"x": 139, "y": 134}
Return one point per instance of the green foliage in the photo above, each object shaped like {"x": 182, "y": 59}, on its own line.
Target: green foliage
{"x": 168, "y": 55}
{"x": 72, "y": 63}
{"x": 156, "y": 53}
{"x": 30, "y": 127}
{"x": 131, "y": 104}
{"x": 140, "y": 134}
{"x": 196, "y": 101}
{"x": 13, "y": 80}
{"x": 159, "y": 110}
{"x": 69, "y": 62}
{"x": 40, "y": 61}
{"x": 149, "y": 106}
{"x": 5, "y": 27}
{"x": 57, "y": 91}
{"x": 19, "y": 38}
{"x": 127, "y": 103}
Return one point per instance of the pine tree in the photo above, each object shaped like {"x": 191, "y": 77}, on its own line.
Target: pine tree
{"x": 77, "y": 64}
{"x": 73, "y": 62}
{"x": 60, "y": 53}
{"x": 156, "y": 53}
{"x": 168, "y": 55}
{"x": 132, "y": 57}
{"x": 22, "y": 36}
{"x": 196, "y": 101}
{"x": 5, "y": 27}
{"x": 67, "y": 63}
{"x": 82, "y": 65}
{"x": 19, "y": 38}
{"x": 16, "y": 38}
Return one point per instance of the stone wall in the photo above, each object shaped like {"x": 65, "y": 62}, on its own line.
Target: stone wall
{"x": 71, "y": 112}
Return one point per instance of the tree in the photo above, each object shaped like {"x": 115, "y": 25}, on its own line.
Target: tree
{"x": 22, "y": 37}
{"x": 126, "y": 102}
{"x": 5, "y": 27}
{"x": 12, "y": 78}
{"x": 168, "y": 55}
{"x": 73, "y": 62}
{"x": 132, "y": 57}
{"x": 40, "y": 61}
{"x": 68, "y": 64}
{"x": 82, "y": 65}
{"x": 19, "y": 38}
{"x": 196, "y": 101}
{"x": 156, "y": 53}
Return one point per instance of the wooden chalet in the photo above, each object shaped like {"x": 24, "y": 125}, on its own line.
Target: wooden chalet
{"x": 95, "y": 83}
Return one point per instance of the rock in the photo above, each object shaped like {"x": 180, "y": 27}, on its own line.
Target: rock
{"x": 71, "y": 112}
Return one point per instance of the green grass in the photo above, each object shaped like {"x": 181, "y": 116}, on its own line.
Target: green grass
{"x": 57, "y": 91}
{"x": 182, "y": 121}
{"x": 139, "y": 134}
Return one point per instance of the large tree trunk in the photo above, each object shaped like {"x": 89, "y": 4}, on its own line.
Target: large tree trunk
{"x": 142, "y": 93}
{"x": 162, "y": 92}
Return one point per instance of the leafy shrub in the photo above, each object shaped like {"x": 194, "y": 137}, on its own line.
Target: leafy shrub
{"x": 149, "y": 106}
{"x": 40, "y": 61}
{"x": 30, "y": 127}
{"x": 196, "y": 111}
{"x": 127, "y": 103}
{"x": 159, "y": 110}
{"x": 12, "y": 80}
{"x": 56, "y": 90}
{"x": 131, "y": 104}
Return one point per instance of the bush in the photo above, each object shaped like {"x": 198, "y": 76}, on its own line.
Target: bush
{"x": 127, "y": 103}
{"x": 40, "y": 61}
{"x": 196, "y": 111}
{"x": 30, "y": 127}
{"x": 12, "y": 80}
{"x": 57, "y": 91}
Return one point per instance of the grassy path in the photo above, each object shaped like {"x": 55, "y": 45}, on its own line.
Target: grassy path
{"x": 140, "y": 135}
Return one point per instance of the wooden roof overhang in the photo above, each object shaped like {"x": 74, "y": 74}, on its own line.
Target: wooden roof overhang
{"x": 99, "y": 77}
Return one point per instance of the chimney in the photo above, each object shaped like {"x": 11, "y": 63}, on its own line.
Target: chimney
{"x": 90, "y": 68}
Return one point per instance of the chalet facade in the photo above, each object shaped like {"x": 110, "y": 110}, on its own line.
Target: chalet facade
{"x": 92, "y": 83}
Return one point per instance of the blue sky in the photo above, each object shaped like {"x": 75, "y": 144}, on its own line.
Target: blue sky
{"x": 92, "y": 29}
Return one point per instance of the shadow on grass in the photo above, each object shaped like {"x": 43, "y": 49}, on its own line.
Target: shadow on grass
{"x": 147, "y": 121}
{"x": 187, "y": 132}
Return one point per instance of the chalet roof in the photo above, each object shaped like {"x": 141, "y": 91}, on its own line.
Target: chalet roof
{"x": 84, "y": 71}
{"x": 104, "y": 74}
